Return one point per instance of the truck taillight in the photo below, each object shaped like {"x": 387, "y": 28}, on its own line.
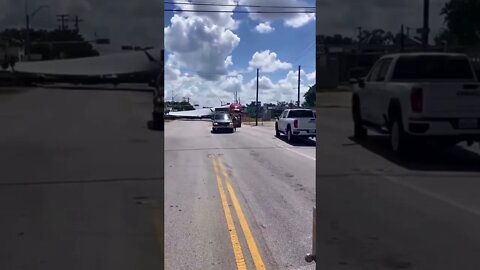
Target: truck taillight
{"x": 416, "y": 99}
{"x": 295, "y": 123}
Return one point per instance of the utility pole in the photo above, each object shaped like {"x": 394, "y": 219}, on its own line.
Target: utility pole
{"x": 402, "y": 39}
{"x": 298, "y": 102}
{"x": 27, "y": 28}
{"x": 62, "y": 18}
{"x": 256, "y": 104}
{"x": 359, "y": 33}
{"x": 27, "y": 38}
{"x": 76, "y": 21}
{"x": 426, "y": 12}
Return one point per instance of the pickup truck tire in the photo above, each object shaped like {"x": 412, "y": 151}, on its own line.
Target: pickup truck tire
{"x": 289, "y": 135}
{"x": 277, "y": 132}
{"x": 359, "y": 131}
{"x": 399, "y": 141}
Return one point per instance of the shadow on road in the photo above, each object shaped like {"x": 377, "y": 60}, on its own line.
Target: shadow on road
{"x": 425, "y": 157}
{"x": 221, "y": 132}
{"x": 151, "y": 125}
{"x": 299, "y": 141}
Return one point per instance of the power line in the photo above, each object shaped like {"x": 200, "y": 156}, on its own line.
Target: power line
{"x": 238, "y": 11}
{"x": 236, "y": 5}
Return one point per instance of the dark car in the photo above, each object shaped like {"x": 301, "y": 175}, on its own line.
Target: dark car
{"x": 222, "y": 121}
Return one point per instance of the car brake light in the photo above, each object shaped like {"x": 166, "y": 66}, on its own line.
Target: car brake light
{"x": 295, "y": 123}
{"x": 416, "y": 99}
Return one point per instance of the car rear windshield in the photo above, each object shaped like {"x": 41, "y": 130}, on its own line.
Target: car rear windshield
{"x": 301, "y": 114}
{"x": 222, "y": 116}
{"x": 433, "y": 67}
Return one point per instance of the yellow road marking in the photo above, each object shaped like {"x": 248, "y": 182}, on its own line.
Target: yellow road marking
{"x": 237, "y": 249}
{"x": 257, "y": 258}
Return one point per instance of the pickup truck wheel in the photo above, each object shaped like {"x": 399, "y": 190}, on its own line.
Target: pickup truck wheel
{"x": 359, "y": 131}
{"x": 398, "y": 138}
{"x": 277, "y": 132}
{"x": 289, "y": 135}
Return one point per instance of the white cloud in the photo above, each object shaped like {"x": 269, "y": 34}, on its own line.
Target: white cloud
{"x": 264, "y": 28}
{"x": 311, "y": 78}
{"x": 294, "y": 20}
{"x": 209, "y": 93}
{"x": 267, "y": 62}
{"x": 228, "y": 61}
{"x": 300, "y": 20}
{"x": 200, "y": 45}
{"x": 222, "y": 19}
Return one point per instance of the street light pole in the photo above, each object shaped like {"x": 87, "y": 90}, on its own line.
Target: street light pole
{"x": 27, "y": 38}
{"x": 27, "y": 22}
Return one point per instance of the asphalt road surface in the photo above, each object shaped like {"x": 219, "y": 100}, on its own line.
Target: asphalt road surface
{"x": 236, "y": 200}
{"x": 81, "y": 180}
{"x": 376, "y": 211}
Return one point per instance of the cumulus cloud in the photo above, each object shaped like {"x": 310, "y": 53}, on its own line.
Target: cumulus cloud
{"x": 290, "y": 19}
{"x": 209, "y": 93}
{"x": 228, "y": 61}
{"x": 199, "y": 44}
{"x": 204, "y": 92}
{"x": 223, "y": 19}
{"x": 311, "y": 78}
{"x": 267, "y": 61}
{"x": 264, "y": 28}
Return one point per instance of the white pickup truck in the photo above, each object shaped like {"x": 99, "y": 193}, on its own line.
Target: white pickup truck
{"x": 296, "y": 123}
{"x": 419, "y": 97}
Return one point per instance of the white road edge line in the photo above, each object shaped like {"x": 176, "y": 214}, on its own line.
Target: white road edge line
{"x": 430, "y": 194}
{"x": 298, "y": 153}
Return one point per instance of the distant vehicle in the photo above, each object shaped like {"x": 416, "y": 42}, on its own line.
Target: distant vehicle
{"x": 419, "y": 97}
{"x": 235, "y": 111}
{"x": 222, "y": 121}
{"x": 295, "y": 123}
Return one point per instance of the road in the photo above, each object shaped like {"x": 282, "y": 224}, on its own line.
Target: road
{"x": 235, "y": 200}
{"x": 81, "y": 180}
{"x": 376, "y": 211}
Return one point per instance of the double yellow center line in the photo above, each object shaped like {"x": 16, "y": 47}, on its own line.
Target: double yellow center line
{"x": 219, "y": 169}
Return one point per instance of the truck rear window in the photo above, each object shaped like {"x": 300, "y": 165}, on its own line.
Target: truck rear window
{"x": 301, "y": 114}
{"x": 222, "y": 116}
{"x": 433, "y": 67}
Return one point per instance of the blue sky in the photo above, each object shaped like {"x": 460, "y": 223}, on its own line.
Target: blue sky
{"x": 209, "y": 56}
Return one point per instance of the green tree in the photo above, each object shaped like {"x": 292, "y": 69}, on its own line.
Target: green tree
{"x": 310, "y": 97}
{"x": 376, "y": 37}
{"x": 334, "y": 40}
{"x": 41, "y": 43}
{"x": 463, "y": 22}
